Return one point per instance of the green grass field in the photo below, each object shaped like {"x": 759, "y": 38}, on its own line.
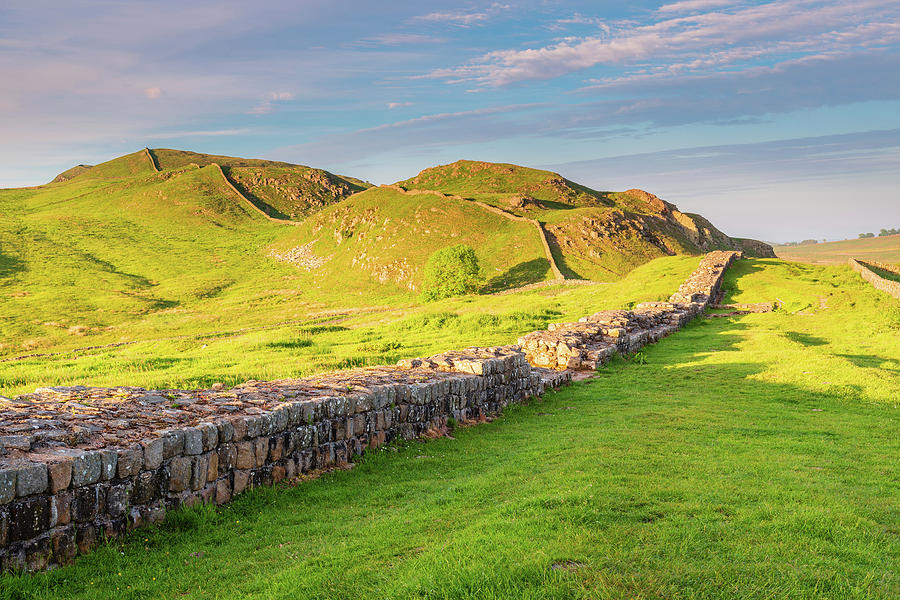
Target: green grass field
{"x": 881, "y": 249}
{"x": 746, "y": 457}
{"x": 320, "y": 341}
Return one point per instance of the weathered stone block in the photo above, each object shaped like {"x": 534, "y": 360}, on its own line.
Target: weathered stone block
{"x": 150, "y": 486}
{"x": 210, "y": 436}
{"x": 261, "y": 450}
{"x": 7, "y": 485}
{"x": 225, "y": 431}
{"x": 85, "y": 537}
{"x": 227, "y": 457}
{"x": 16, "y": 442}
{"x": 276, "y": 448}
{"x": 59, "y": 473}
{"x": 117, "y": 499}
{"x": 61, "y": 508}
{"x": 86, "y": 468}
{"x": 31, "y": 479}
{"x": 246, "y": 455}
{"x": 109, "y": 460}
{"x": 241, "y": 480}
{"x": 62, "y": 544}
{"x": 199, "y": 471}
{"x": 239, "y": 425}
{"x": 37, "y": 553}
{"x": 179, "y": 473}
{"x": 173, "y": 443}
{"x": 129, "y": 461}
{"x": 153, "y": 453}
{"x": 4, "y": 526}
{"x": 212, "y": 472}
{"x": 28, "y": 518}
{"x": 193, "y": 441}
{"x": 223, "y": 491}
{"x": 86, "y": 503}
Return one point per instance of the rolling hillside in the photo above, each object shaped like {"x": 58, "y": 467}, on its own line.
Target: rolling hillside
{"x": 593, "y": 235}
{"x": 282, "y": 190}
{"x": 164, "y": 242}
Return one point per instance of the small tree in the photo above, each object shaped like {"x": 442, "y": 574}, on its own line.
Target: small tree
{"x": 451, "y": 271}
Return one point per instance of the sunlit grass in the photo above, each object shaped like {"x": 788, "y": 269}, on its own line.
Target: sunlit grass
{"x": 747, "y": 457}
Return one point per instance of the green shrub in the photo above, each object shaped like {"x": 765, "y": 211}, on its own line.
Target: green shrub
{"x": 451, "y": 271}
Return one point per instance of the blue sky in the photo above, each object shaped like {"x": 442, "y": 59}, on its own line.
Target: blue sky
{"x": 777, "y": 120}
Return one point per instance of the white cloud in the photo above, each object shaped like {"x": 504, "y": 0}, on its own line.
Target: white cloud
{"x": 462, "y": 18}
{"x": 201, "y": 133}
{"x": 393, "y": 105}
{"x": 268, "y": 104}
{"x": 674, "y": 44}
{"x": 400, "y": 39}
{"x": 692, "y": 5}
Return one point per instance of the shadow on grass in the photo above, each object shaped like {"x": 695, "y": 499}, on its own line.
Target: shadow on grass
{"x": 805, "y": 339}
{"x": 871, "y": 361}
{"x": 521, "y": 274}
{"x": 9, "y": 265}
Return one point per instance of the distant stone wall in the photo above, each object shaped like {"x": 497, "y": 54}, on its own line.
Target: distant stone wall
{"x": 593, "y": 340}
{"x": 877, "y": 281}
{"x": 78, "y": 464}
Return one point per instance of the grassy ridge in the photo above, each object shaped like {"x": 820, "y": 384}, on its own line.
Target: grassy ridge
{"x": 593, "y": 235}
{"x": 745, "y": 457}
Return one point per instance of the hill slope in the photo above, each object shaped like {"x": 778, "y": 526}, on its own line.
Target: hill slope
{"x": 595, "y": 235}
{"x": 162, "y": 242}
{"x": 282, "y": 190}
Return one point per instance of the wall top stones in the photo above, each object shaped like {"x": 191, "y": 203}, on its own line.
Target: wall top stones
{"x": 878, "y": 282}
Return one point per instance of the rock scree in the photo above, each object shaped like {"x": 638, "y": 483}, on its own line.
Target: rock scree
{"x": 80, "y": 464}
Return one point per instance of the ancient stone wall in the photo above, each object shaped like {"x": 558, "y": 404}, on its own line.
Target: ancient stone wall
{"x": 78, "y": 464}
{"x": 877, "y": 281}
{"x": 86, "y": 463}
{"x": 593, "y": 340}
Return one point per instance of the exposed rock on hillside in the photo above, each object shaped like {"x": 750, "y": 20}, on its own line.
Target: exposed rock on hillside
{"x": 70, "y": 173}
{"x": 597, "y": 235}
{"x": 283, "y": 190}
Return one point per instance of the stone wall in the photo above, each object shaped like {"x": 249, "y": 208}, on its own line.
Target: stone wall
{"x": 92, "y": 462}
{"x": 78, "y": 464}
{"x": 877, "y": 281}
{"x": 593, "y": 340}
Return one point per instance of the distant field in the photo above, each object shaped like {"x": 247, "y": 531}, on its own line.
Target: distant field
{"x": 884, "y": 249}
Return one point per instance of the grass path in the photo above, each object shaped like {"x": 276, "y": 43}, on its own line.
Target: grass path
{"x": 746, "y": 457}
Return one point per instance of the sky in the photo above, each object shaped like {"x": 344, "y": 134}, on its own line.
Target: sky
{"x": 776, "y": 120}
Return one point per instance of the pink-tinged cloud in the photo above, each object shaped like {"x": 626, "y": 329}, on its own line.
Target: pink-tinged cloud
{"x": 268, "y": 104}
{"x": 153, "y": 92}
{"x": 798, "y": 26}
{"x": 692, "y": 5}
{"x": 462, "y": 18}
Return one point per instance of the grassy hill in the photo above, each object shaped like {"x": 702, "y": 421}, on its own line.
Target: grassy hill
{"x": 593, "y": 235}
{"x": 157, "y": 244}
{"x": 282, "y": 190}
{"x": 881, "y": 249}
